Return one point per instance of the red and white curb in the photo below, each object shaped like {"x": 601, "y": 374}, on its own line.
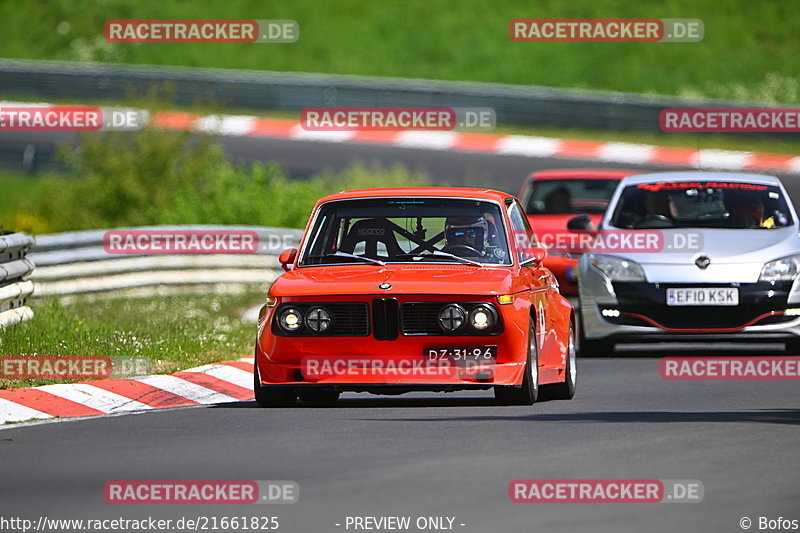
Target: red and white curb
{"x": 485, "y": 143}
{"x": 488, "y": 143}
{"x": 230, "y": 381}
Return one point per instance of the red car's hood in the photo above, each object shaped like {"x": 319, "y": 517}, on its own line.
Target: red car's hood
{"x": 405, "y": 279}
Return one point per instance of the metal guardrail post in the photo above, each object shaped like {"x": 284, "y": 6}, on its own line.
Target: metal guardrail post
{"x": 14, "y": 288}
{"x": 77, "y": 262}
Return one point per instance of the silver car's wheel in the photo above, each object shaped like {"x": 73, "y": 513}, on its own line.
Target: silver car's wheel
{"x": 593, "y": 347}
{"x": 793, "y": 347}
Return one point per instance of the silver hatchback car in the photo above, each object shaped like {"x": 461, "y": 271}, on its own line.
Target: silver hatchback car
{"x": 697, "y": 256}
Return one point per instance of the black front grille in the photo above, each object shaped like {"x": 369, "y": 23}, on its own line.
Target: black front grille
{"x": 385, "y": 319}
{"x": 422, "y": 318}
{"x": 348, "y": 319}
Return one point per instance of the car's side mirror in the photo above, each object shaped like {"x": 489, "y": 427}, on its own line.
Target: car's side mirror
{"x": 580, "y": 223}
{"x": 536, "y": 255}
{"x": 286, "y": 259}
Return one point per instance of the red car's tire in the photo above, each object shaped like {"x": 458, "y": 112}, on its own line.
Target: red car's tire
{"x": 272, "y": 396}
{"x": 527, "y": 393}
{"x": 566, "y": 390}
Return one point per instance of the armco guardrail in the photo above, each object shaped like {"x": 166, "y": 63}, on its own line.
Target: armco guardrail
{"x": 247, "y": 89}
{"x": 14, "y": 289}
{"x": 77, "y": 262}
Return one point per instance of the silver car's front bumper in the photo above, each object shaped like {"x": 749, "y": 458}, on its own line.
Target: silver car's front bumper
{"x": 597, "y": 293}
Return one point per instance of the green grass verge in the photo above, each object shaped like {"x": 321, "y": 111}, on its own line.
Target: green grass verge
{"x": 19, "y": 189}
{"x": 749, "y": 50}
{"x": 173, "y": 332}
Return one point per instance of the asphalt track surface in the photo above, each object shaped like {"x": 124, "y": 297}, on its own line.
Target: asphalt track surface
{"x": 439, "y": 455}
{"x": 431, "y": 454}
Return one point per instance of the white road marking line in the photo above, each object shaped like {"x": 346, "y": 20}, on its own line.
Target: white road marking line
{"x": 233, "y": 125}
{"x": 14, "y": 412}
{"x": 722, "y": 159}
{"x": 232, "y": 375}
{"x": 793, "y": 166}
{"x": 94, "y": 397}
{"x": 185, "y": 389}
{"x": 626, "y": 152}
{"x": 332, "y": 136}
{"x": 527, "y": 145}
{"x": 428, "y": 140}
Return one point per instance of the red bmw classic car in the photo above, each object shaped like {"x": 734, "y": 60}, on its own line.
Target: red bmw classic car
{"x": 399, "y": 290}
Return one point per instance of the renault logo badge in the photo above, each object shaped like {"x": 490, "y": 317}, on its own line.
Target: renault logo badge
{"x": 702, "y": 262}
{"x": 385, "y": 286}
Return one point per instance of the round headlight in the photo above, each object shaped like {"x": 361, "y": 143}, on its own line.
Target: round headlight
{"x": 452, "y": 317}
{"x": 482, "y": 318}
{"x": 290, "y": 319}
{"x": 318, "y": 319}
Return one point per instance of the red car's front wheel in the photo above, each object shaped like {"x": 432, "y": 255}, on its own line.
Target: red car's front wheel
{"x": 566, "y": 390}
{"x": 527, "y": 393}
{"x": 267, "y": 396}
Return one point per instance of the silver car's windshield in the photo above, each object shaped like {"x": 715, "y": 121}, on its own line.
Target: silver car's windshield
{"x": 701, "y": 205}
{"x": 406, "y": 230}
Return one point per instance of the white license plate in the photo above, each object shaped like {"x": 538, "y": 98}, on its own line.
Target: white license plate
{"x": 703, "y": 296}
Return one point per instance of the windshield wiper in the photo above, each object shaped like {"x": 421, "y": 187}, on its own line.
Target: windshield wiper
{"x": 444, "y": 255}
{"x": 349, "y": 256}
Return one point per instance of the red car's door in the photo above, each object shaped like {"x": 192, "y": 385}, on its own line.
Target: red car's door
{"x": 543, "y": 287}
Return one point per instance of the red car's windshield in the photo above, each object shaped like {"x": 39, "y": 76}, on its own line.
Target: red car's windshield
{"x": 573, "y": 196}
{"x": 407, "y": 230}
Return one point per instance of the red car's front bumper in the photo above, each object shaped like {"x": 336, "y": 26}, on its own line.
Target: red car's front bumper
{"x": 406, "y": 360}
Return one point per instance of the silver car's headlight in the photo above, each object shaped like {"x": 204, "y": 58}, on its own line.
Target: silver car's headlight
{"x": 783, "y": 269}
{"x": 617, "y": 268}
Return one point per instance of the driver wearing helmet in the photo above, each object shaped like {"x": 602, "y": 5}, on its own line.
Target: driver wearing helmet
{"x": 466, "y": 233}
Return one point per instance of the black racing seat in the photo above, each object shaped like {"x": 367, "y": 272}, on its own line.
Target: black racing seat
{"x": 371, "y": 232}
